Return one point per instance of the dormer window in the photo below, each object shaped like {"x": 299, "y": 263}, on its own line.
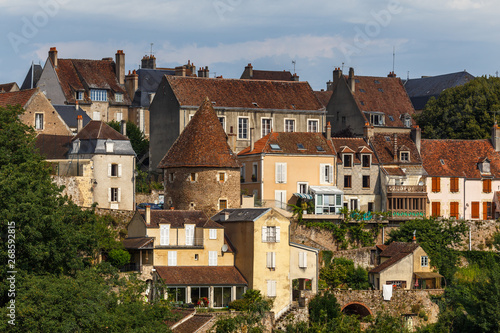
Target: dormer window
{"x": 109, "y": 146}
{"x": 79, "y": 95}
{"x": 377, "y": 118}
{"x": 118, "y": 97}
{"x": 404, "y": 156}
{"x": 366, "y": 160}
{"x": 347, "y": 160}
{"x": 406, "y": 119}
{"x": 484, "y": 166}
{"x": 99, "y": 95}
{"x": 76, "y": 146}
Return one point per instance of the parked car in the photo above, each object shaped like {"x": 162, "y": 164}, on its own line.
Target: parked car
{"x": 153, "y": 205}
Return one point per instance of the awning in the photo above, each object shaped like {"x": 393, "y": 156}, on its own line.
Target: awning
{"x": 325, "y": 190}
{"x": 303, "y": 196}
{"x": 428, "y": 275}
{"x": 138, "y": 243}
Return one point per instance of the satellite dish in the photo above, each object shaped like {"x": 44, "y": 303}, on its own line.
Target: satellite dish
{"x": 224, "y": 248}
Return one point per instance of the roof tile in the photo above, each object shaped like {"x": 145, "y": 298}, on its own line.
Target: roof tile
{"x": 200, "y": 275}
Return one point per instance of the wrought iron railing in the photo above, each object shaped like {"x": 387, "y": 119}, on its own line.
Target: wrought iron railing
{"x": 406, "y": 188}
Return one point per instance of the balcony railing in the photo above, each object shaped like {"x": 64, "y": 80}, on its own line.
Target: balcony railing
{"x": 197, "y": 242}
{"x": 406, "y": 188}
{"x": 398, "y": 214}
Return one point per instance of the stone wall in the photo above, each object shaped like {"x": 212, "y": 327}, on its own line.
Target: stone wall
{"x": 153, "y": 197}
{"x": 360, "y": 257}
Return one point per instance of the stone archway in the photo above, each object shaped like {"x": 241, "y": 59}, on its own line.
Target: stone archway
{"x": 357, "y": 308}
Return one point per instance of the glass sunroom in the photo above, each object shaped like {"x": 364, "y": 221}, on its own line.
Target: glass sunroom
{"x": 327, "y": 199}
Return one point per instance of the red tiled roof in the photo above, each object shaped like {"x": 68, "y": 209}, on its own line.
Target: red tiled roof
{"x": 99, "y": 130}
{"x": 178, "y": 218}
{"x": 202, "y": 143}
{"x": 324, "y": 96}
{"x": 76, "y": 74}
{"x": 17, "y": 97}
{"x": 53, "y": 147}
{"x": 271, "y": 75}
{"x": 288, "y": 141}
{"x": 279, "y": 95}
{"x": 383, "y": 144}
{"x": 387, "y": 96}
{"x": 194, "y": 323}
{"x": 395, "y": 252}
{"x": 200, "y": 275}
{"x": 396, "y": 171}
{"x": 7, "y": 87}
{"x": 460, "y": 158}
{"x": 353, "y": 145}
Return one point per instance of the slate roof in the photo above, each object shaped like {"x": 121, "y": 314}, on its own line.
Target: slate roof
{"x": 459, "y": 158}
{"x": 202, "y": 143}
{"x": 395, "y": 252}
{"x": 17, "y": 97}
{"x": 53, "y": 147}
{"x": 79, "y": 74}
{"x": 383, "y": 94}
{"x": 27, "y": 80}
{"x": 148, "y": 82}
{"x": 324, "y": 96}
{"x": 357, "y": 145}
{"x": 138, "y": 243}
{"x": 288, "y": 141}
{"x": 99, "y": 130}
{"x": 7, "y": 87}
{"x": 422, "y": 89}
{"x": 277, "y": 95}
{"x": 240, "y": 214}
{"x": 178, "y": 218}
{"x": 200, "y": 275}
{"x": 194, "y": 323}
{"x": 70, "y": 113}
{"x": 383, "y": 143}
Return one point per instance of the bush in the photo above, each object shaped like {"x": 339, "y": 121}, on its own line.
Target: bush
{"x": 239, "y": 305}
{"x": 323, "y": 308}
{"x": 118, "y": 257}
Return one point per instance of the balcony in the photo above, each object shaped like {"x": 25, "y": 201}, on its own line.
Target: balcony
{"x": 197, "y": 243}
{"x": 406, "y": 189}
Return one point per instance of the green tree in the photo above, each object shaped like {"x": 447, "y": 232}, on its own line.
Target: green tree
{"x": 139, "y": 143}
{"x": 462, "y": 112}
{"x": 341, "y": 273}
{"x": 323, "y": 308}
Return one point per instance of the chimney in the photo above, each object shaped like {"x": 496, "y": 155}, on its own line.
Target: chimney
{"x": 337, "y": 75}
{"x": 391, "y": 74}
{"x": 131, "y": 83}
{"x": 248, "y": 73}
{"x": 120, "y": 66}
{"x": 416, "y": 136}
{"x": 252, "y": 136}
{"x": 351, "y": 81}
{"x": 231, "y": 139}
{"x": 200, "y": 72}
{"x": 53, "y": 56}
{"x": 395, "y": 147}
{"x": 123, "y": 127}
{"x": 295, "y": 77}
{"x": 328, "y": 131}
{"x": 148, "y": 215}
{"x": 76, "y": 105}
{"x": 495, "y": 137}
{"x": 368, "y": 132}
{"x": 206, "y": 71}
{"x": 79, "y": 125}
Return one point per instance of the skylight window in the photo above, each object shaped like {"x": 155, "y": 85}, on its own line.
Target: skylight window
{"x": 388, "y": 138}
{"x": 255, "y": 104}
{"x": 362, "y": 90}
{"x": 391, "y": 118}
{"x": 442, "y": 161}
{"x": 300, "y": 146}
{"x": 356, "y": 80}
{"x": 319, "y": 148}
{"x": 361, "y": 102}
{"x": 377, "y": 81}
{"x": 275, "y": 146}
{"x": 380, "y": 89}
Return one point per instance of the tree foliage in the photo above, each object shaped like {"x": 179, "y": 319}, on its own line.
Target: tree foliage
{"x": 341, "y": 273}
{"x": 139, "y": 143}
{"x": 462, "y": 112}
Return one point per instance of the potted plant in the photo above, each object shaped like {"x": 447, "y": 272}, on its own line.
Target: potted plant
{"x": 203, "y": 302}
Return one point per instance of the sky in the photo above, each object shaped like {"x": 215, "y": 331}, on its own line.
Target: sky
{"x": 310, "y": 38}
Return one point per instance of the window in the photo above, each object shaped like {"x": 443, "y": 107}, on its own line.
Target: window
{"x": 270, "y": 234}
{"x": 118, "y": 97}
{"x": 377, "y": 119}
{"x": 242, "y": 173}
{"x": 119, "y": 116}
{"x": 39, "y": 121}
{"x": 271, "y": 288}
{"x": 254, "y": 172}
{"x": 223, "y": 122}
{"x": 192, "y": 176}
{"x": 328, "y": 203}
{"x": 436, "y": 184}
{"x": 271, "y": 260}
{"x": 398, "y": 284}
{"x": 164, "y": 234}
{"x": 242, "y": 128}
{"x": 114, "y": 170}
{"x": 114, "y": 194}
{"x": 222, "y": 204}
{"x": 109, "y": 145}
{"x": 424, "y": 261}
{"x": 487, "y": 214}
{"x": 347, "y": 181}
{"x": 487, "y": 185}
{"x": 96, "y": 115}
{"x": 177, "y": 294}
{"x": 343, "y": 120}
{"x": 213, "y": 234}
{"x": 300, "y": 146}
{"x": 366, "y": 160}
{"x": 280, "y": 176}
{"x": 347, "y": 160}
{"x": 302, "y": 187}
{"x": 326, "y": 173}
{"x": 454, "y": 185}
{"x": 354, "y": 204}
{"x": 199, "y": 292}
{"x": 436, "y": 209}
{"x": 189, "y": 234}
{"x": 475, "y": 210}
{"x": 222, "y": 177}
{"x": 172, "y": 258}
{"x": 370, "y": 207}
{"x": 275, "y": 146}
{"x": 196, "y": 257}
{"x": 454, "y": 209}
{"x": 212, "y": 258}
{"x": 366, "y": 181}
{"x": 404, "y": 156}
{"x": 267, "y": 125}
{"x": 302, "y": 259}
{"x": 171, "y": 177}
{"x": 222, "y": 297}
{"x": 313, "y": 125}
{"x": 98, "y": 95}
{"x": 79, "y": 95}
{"x": 289, "y": 125}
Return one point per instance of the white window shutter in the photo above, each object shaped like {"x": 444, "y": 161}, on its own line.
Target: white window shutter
{"x": 269, "y": 288}
{"x": 330, "y": 173}
{"x": 212, "y": 258}
{"x": 321, "y": 173}
{"x": 189, "y": 234}
{"x": 119, "y": 170}
{"x": 305, "y": 259}
{"x": 273, "y": 259}
{"x": 264, "y": 234}
{"x": 172, "y": 258}
{"x": 278, "y": 234}
{"x": 301, "y": 259}
{"x": 213, "y": 234}
{"x": 268, "y": 258}
{"x": 283, "y": 173}
{"x": 109, "y": 169}
{"x": 164, "y": 234}
{"x": 278, "y": 172}
{"x": 119, "y": 195}
{"x": 109, "y": 194}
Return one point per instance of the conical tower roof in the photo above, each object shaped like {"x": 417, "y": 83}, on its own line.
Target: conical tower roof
{"x": 203, "y": 143}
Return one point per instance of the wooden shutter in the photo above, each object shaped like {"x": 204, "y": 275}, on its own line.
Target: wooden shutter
{"x": 271, "y": 259}
{"x": 109, "y": 194}
{"x": 436, "y": 209}
{"x": 283, "y": 173}
{"x": 330, "y": 173}
{"x": 485, "y": 211}
{"x": 475, "y": 210}
{"x": 172, "y": 258}
{"x": 436, "y": 184}
{"x": 454, "y": 209}
{"x": 487, "y": 185}
{"x": 189, "y": 234}
{"x": 119, "y": 195}
{"x": 322, "y": 173}
{"x": 278, "y": 173}
{"x": 213, "y": 233}
{"x": 453, "y": 184}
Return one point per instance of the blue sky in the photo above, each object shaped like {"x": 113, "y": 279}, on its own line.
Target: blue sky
{"x": 430, "y": 37}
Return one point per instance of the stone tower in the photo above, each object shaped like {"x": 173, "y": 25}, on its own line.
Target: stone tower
{"x": 200, "y": 170}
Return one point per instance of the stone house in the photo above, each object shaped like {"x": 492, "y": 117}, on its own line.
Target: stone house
{"x": 39, "y": 112}
{"x": 189, "y": 252}
{"x": 200, "y": 162}
{"x": 241, "y": 105}
{"x": 463, "y": 177}
{"x": 405, "y": 266}
{"x": 98, "y": 86}
{"x": 381, "y": 102}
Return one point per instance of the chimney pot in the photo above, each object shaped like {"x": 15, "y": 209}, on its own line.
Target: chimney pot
{"x": 123, "y": 127}
{"x": 328, "y": 131}
{"x": 120, "y": 66}
{"x": 79, "y": 124}
{"x": 53, "y": 56}
{"x": 148, "y": 215}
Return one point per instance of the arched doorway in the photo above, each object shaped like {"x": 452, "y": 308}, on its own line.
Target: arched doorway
{"x": 356, "y": 308}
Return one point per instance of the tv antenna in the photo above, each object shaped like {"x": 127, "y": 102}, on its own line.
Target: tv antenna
{"x": 494, "y": 115}
{"x": 151, "y": 49}
{"x": 294, "y": 62}
{"x": 393, "y": 57}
